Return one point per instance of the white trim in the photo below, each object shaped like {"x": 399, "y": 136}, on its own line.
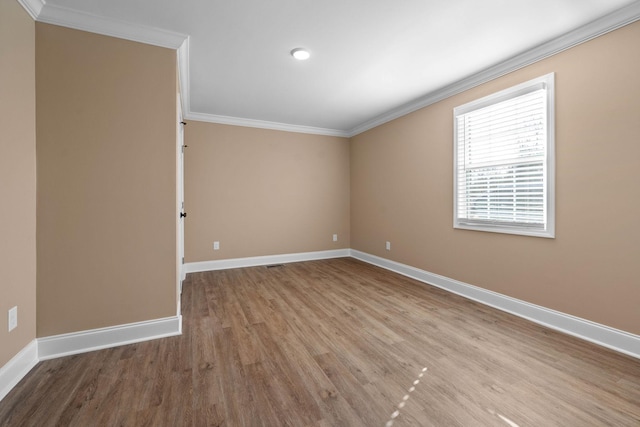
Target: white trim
{"x": 113, "y": 336}
{"x": 80, "y": 342}
{"x": 16, "y": 368}
{"x": 58, "y": 15}
{"x": 33, "y": 7}
{"x": 596, "y": 333}
{"x": 224, "y": 264}
{"x": 547, "y": 82}
{"x": 179, "y": 203}
{"x": 261, "y": 124}
{"x": 603, "y": 25}
{"x": 53, "y": 14}
{"x": 184, "y": 79}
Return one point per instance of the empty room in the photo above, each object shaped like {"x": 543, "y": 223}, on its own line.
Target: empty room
{"x": 293, "y": 213}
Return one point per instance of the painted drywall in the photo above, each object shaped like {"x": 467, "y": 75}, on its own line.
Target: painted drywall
{"x": 17, "y": 177}
{"x": 106, "y": 154}
{"x": 263, "y": 192}
{"x": 402, "y": 185}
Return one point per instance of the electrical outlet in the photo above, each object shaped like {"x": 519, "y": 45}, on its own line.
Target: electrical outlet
{"x": 13, "y": 318}
{"x": 388, "y": 246}
{"x": 216, "y": 246}
{"x": 335, "y": 237}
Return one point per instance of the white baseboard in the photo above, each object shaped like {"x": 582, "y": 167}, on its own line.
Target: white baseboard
{"x": 224, "y": 264}
{"x": 17, "y": 368}
{"x": 97, "y": 339}
{"x": 605, "y": 336}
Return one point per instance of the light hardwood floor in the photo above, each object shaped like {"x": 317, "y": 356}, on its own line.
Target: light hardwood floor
{"x": 333, "y": 343}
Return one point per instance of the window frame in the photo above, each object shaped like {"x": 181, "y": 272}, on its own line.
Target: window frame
{"x": 548, "y": 82}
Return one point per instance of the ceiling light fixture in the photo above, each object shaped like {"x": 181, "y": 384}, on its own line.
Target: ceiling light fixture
{"x": 300, "y": 54}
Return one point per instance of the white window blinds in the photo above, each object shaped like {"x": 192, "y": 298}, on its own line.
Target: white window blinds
{"x": 502, "y": 160}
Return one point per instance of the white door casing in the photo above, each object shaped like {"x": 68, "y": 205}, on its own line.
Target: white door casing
{"x": 181, "y": 214}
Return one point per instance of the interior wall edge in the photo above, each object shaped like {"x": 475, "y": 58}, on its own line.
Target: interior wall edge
{"x": 98, "y": 339}
{"x": 48, "y": 13}
{"x": 32, "y": 7}
{"x": 82, "y": 342}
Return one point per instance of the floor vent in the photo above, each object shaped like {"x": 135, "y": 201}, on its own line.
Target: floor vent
{"x": 275, "y": 265}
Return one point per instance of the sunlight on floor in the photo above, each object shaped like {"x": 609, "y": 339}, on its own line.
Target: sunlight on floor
{"x": 508, "y": 421}
{"x": 395, "y": 413}
{"x": 503, "y": 418}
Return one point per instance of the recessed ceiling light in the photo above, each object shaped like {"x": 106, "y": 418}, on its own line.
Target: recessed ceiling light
{"x": 300, "y": 54}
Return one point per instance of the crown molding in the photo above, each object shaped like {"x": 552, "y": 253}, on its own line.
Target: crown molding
{"x": 603, "y": 25}
{"x": 33, "y": 7}
{"x": 51, "y": 14}
{"x": 183, "y": 76}
{"x": 57, "y": 15}
{"x": 261, "y": 124}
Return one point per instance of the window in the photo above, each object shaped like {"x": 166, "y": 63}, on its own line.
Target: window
{"x": 504, "y": 161}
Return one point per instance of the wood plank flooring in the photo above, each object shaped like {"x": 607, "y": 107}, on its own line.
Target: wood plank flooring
{"x": 333, "y": 343}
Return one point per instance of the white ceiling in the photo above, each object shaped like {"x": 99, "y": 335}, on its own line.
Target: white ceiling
{"x": 371, "y": 60}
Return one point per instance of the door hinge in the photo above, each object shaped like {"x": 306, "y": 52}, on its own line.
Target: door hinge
{"x": 183, "y": 260}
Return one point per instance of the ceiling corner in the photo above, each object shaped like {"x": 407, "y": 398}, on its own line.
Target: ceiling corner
{"x": 57, "y": 15}
{"x": 599, "y": 27}
{"x": 33, "y": 7}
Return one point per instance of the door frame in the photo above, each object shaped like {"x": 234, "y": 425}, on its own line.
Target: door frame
{"x": 181, "y": 273}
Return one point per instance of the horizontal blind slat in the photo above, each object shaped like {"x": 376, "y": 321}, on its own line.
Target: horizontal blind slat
{"x": 501, "y": 162}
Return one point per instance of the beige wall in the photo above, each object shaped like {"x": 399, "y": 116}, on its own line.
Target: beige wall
{"x": 17, "y": 177}
{"x": 263, "y": 192}
{"x": 402, "y": 183}
{"x": 106, "y": 186}
{"x": 106, "y": 126}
